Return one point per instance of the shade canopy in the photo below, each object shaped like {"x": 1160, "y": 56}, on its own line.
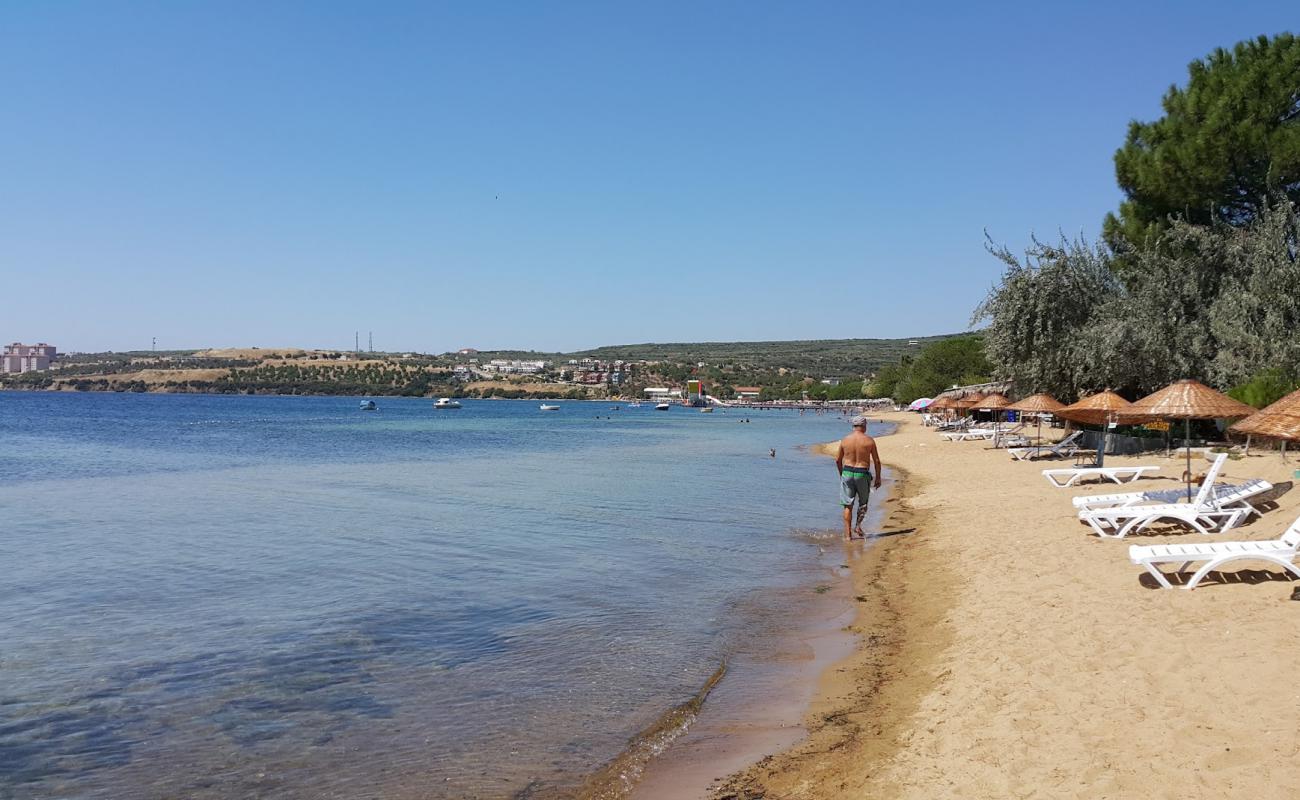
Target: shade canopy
{"x": 1099, "y": 409}
{"x": 920, "y": 403}
{"x": 1041, "y": 403}
{"x": 994, "y": 402}
{"x": 1281, "y": 420}
{"x": 944, "y": 402}
{"x": 1186, "y": 399}
{"x": 969, "y": 402}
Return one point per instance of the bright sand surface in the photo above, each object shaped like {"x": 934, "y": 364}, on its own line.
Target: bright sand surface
{"x": 1005, "y": 651}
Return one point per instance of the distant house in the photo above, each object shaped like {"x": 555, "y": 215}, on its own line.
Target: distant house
{"x": 20, "y": 357}
{"x": 467, "y": 351}
{"x": 831, "y": 381}
{"x": 748, "y": 392}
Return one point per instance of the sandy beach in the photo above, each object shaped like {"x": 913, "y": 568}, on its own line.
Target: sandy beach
{"x": 1005, "y": 651}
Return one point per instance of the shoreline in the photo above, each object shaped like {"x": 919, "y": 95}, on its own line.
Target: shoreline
{"x": 862, "y": 701}
{"x": 771, "y": 696}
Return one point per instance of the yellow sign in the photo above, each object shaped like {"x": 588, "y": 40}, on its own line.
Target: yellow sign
{"x": 1157, "y": 426}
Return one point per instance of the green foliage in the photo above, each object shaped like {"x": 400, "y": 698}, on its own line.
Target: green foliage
{"x": 1265, "y": 388}
{"x": 1215, "y": 303}
{"x": 1227, "y": 146}
{"x": 1038, "y": 315}
{"x": 940, "y": 365}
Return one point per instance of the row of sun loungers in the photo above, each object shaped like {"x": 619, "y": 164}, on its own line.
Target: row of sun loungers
{"x": 1216, "y": 507}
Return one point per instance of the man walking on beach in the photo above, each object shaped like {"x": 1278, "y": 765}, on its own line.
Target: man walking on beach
{"x": 858, "y": 454}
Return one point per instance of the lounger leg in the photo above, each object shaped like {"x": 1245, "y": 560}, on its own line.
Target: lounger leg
{"x": 1283, "y": 562}
{"x": 1096, "y": 523}
{"x": 1158, "y": 575}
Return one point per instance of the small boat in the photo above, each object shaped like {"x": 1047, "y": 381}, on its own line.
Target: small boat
{"x": 706, "y": 410}
{"x": 446, "y": 402}
{"x": 663, "y": 406}
{"x": 545, "y": 407}
{"x": 633, "y": 405}
{"x": 369, "y": 405}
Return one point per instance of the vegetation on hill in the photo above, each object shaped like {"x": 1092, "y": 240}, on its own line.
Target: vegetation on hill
{"x": 941, "y": 365}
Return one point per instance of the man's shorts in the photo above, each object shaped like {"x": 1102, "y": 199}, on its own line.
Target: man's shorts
{"x": 855, "y": 482}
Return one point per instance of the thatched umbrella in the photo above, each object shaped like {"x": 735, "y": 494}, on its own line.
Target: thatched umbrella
{"x": 995, "y": 402}
{"x": 1186, "y": 400}
{"x": 1041, "y": 403}
{"x": 1101, "y": 408}
{"x": 945, "y": 403}
{"x": 1281, "y": 420}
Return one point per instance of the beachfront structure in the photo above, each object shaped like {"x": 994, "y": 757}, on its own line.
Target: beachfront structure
{"x": 662, "y": 393}
{"x": 20, "y": 357}
{"x": 748, "y": 392}
{"x": 507, "y": 367}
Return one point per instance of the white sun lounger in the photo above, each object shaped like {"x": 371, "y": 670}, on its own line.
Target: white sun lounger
{"x": 1215, "y": 554}
{"x": 1116, "y": 474}
{"x": 1063, "y": 448}
{"x": 1207, "y": 512}
{"x": 1161, "y": 495}
{"x": 969, "y": 435}
{"x": 1223, "y": 511}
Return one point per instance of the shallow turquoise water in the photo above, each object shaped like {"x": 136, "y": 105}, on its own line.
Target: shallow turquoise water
{"x": 217, "y": 596}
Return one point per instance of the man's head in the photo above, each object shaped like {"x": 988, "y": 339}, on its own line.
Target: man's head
{"x": 859, "y": 422}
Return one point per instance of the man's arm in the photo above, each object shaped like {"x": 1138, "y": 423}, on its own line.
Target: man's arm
{"x": 839, "y": 458}
{"x": 875, "y": 459}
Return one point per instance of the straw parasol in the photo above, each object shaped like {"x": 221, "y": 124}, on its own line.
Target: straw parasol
{"x": 1041, "y": 403}
{"x": 1097, "y": 409}
{"x": 1280, "y": 420}
{"x": 1186, "y": 400}
{"x": 1101, "y": 408}
{"x": 995, "y": 402}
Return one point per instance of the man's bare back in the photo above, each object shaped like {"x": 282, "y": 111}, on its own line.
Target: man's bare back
{"x": 858, "y": 450}
{"x": 858, "y": 467}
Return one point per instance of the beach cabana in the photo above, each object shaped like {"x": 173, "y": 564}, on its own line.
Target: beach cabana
{"x": 1186, "y": 400}
{"x": 1040, "y": 404}
{"x": 1280, "y": 420}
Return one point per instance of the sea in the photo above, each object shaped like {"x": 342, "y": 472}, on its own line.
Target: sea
{"x": 211, "y": 596}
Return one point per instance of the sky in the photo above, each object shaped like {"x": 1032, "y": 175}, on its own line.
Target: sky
{"x": 559, "y": 175}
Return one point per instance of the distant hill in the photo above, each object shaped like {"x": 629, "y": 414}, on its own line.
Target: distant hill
{"x": 816, "y": 357}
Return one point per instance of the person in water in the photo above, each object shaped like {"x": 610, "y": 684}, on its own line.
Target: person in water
{"x": 858, "y": 455}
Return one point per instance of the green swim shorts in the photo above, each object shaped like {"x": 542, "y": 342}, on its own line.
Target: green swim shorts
{"x": 855, "y": 482}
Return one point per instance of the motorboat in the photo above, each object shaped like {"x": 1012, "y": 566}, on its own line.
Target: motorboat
{"x": 368, "y": 405}
{"x": 633, "y": 405}
{"x": 446, "y": 402}
{"x": 545, "y": 407}
{"x": 663, "y": 406}
{"x": 706, "y": 410}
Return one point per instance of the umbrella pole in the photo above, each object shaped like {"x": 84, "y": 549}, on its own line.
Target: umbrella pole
{"x": 1187, "y": 448}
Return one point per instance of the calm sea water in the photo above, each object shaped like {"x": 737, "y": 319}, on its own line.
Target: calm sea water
{"x": 219, "y": 596}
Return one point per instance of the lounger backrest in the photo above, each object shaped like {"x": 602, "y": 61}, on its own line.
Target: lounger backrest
{"x": 1207, "y": 486}
{"x": 1234, "y": 494}
{"x": 1067, "y": 441}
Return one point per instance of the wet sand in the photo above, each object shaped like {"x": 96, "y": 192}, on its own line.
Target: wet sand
{"x": 1004, "y": 651}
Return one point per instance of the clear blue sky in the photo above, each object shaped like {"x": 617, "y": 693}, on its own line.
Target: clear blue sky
{"x": 555, "y": 175}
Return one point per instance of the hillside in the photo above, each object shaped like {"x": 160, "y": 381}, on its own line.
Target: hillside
{"x": 814, "y": 357}
{"x": 787, "y": 368}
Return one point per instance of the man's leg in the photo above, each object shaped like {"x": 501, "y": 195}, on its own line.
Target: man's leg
{"x": 864, "y": 494}
{"x": 848, "y": 522}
